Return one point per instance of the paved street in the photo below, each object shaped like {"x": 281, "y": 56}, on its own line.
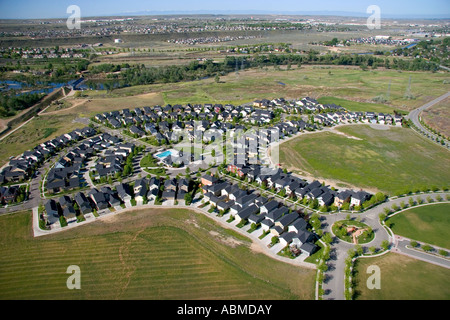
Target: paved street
{"x": 415, "y": 115}
{"x": 334, "y": 277}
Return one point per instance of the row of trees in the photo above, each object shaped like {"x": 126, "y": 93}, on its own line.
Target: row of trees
{"x": 141, "y": 75}
{"x": 10, "y": 104}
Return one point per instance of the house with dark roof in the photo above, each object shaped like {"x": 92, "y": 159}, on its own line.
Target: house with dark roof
{"x": 123, "y": 191}
{"x": 342, "y": 197}
{"x": 256, "y": 218}
{"x": 136, "y": 130}
{"x": 83, "y": 203}
{"x": 286, "y": 220}
{"x": 286, "y": 238}
{"x": 269, "y": 206}
{"x": 246, "y": 200}
{"x": 111, "y": 196}
{"x": 266, "y": 224}
{"x": 325, "y": 199}
{"x": 358, "y": 198}
{"x": 246, "y": 212}
{"x": 99, "y": 199}
{"x": 276, "y": 214}
{"x": 69, "y": 214}
{"x": 299, "y": 225}
{"x": 308, "y": 248}
{"x": 51, "y": 209}
{"x": 168, "y": 195}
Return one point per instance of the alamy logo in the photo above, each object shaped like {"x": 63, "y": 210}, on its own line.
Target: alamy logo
{"x": 74, "y": 21}
{"x": 374, "y": 281}
{"x": 74, "y": 281}
{"x": 374, "y": 21}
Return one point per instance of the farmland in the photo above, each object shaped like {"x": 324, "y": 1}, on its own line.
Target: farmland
{"x": 386, "y": 160}
{"x": 162, "y": 254}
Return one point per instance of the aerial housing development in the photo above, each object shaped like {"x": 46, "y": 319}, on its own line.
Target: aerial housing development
{"x": 219, "y": 156}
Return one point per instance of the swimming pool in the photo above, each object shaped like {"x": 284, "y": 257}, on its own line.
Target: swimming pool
{"x": 164, "y": 154}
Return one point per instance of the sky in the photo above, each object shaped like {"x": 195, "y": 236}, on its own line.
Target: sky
{"x": 41, "y": 9}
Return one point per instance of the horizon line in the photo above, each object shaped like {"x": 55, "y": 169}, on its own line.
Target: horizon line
{"x": 344, "y": 14}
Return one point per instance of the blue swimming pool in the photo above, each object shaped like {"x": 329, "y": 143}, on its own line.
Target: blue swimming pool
{"x": 164, "y": 154}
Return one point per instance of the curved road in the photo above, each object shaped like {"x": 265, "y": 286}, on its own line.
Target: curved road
{"x": 334, "y": 277}
{"x": 415, "y": 114}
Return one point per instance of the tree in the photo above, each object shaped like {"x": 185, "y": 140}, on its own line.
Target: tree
{"x": 327, "y": 238}
{"x": 217, "y": 78}
{"x": 385, "y": 244}
{"x": 188, "y": 198}
{"x": 274, "y": 240}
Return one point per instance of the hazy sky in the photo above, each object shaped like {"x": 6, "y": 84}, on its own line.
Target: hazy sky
{"x": 57, "y": 8}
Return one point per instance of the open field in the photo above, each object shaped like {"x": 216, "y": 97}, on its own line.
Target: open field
{"x": 38, "y": 130}
{"x": 349, "y": 83}
{"x": 357, "y": 106}
{"x": 403, "y": 278}
{"x": 391, "y": 160}
{"x": 162, "y": 254}
{"x": 438, "y": 117}
{"x": 429, "y": 224}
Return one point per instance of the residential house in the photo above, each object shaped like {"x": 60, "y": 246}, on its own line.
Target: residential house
{"x": 269, "y": 206}
{"x": 342, "y": 197}
{"x": 358, "y": 198}
{"x": 123, "y": 190}
{"x": 276, "y": 214}
{"x": 51, "y": 209}
{"x": 299, "y": 225}
{"x": 98, "y": 198}
{"x": 286, "y": 220}
{"x": 246, "y": 212}
{"x": 83, "y": 203}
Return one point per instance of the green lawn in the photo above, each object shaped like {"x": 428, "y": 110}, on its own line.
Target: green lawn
{"x": 357, "y": 106}
{"x": 147, "y": 254}
{"x": 429, "y": 224}
{"x": 403, "y": 278}
{"x": 391, "y": 161}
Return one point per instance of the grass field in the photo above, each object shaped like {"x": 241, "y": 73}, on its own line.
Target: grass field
{"x": 403, "y": 278}
{"x": 38, "y": 130}
{"x": 438, "y": 117}
{"x": 387, "y": 160}
{"x": 348, "y": 83}
{"x": 157, "y": 254}
{"x": 357, "y": 106}
{"x": 428, "y": 224}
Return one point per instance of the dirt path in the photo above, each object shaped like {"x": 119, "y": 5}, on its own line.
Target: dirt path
{"x": 76, "y": 104}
